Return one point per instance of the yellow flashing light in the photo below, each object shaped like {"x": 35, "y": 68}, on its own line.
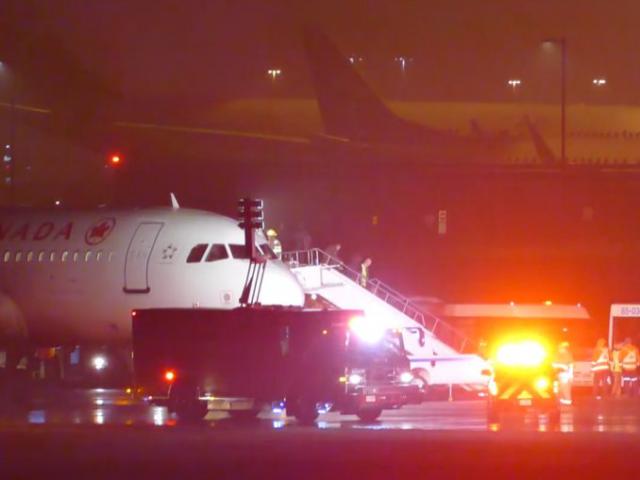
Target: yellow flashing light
{"x": 527, "y": 353}
{"x": 542, "y": 384}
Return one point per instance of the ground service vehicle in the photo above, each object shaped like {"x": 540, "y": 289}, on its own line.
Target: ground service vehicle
{"x": 240, "y": 360}
{"x": 553, "y": 322}
{"x": 623, "y": 323}
{"x": 523, "y": 378}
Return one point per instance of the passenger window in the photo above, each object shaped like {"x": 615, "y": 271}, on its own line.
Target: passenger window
{"x": 18, "y": 256}
{"x": 7, "y": 256}
{"x": 111, "y": 255}
{"x": 197, "y": 252}
{"x": 99, "y": 256}
{"x": 52, "y": 256}
{"x": 217, "y": 252}
{"x": 64, "y": 256}
{"x": 238, "y": 251}
{"x": 76, "y": 255}
{"x": 41, "y": 256}
{"x": 30, "y": 256}
{"x": 87, "y": 256}
{"x": 267, "y": 252}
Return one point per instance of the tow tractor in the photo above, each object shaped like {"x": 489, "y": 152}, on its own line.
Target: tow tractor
{"x": 239, "y": 361}
{"x": 522, "y": 378}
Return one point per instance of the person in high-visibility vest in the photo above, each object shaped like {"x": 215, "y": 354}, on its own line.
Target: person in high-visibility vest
{"x": 563, "y": 365}
{"x": 616, "y": 370}
{"x": 629, "y": 359}
{"x": 483, "y": 348}
{"x": 274, "y": 243}
{"x": 600, "y": 368}
{"x": 364, "y": 272}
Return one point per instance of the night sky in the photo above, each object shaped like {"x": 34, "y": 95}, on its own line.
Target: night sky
{"x": 196, "y": 51}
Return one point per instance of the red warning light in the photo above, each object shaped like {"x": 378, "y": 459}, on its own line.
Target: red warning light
{"x": 170, "y": 376}
{"x": 115, "y": 160}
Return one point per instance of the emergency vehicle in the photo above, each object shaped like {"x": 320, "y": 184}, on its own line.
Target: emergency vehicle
{"x": 241, "y": 360}
{"x": 554, "y": 323}
{"x": 523, "y": 378}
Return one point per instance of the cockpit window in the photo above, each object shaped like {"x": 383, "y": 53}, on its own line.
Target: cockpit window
{"x": 197, "y": 252}
{"x": 217, "y": 252}
{"x": 267, "y": 252}
{"x": 238, "y": 251}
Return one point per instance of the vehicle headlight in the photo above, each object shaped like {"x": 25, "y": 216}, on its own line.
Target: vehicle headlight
{"x": 355, "y": 379}
{"x": 493, "y": 388}
{"x": 406, "y": 377}
{"x": 99, "y": 362}
{"x": 521, "y": 354}
{"x": 542, "y": 384}
{"x": 367, "y": 329}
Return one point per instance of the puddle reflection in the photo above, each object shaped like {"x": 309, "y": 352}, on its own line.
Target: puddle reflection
{"x": 101, "y": 408}
{"x": 98, "y": 416}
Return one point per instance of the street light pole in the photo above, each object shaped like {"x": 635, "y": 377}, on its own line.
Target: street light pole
{"x": 12, "y": 141}
{"x": 562, "y": 42}
{"x": 9, "y": 146}
{"x": 563, "y": 101}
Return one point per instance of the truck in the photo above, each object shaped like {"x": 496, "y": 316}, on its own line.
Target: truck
{"x": 241, "y": 360}
{"x": 523, "y": 377}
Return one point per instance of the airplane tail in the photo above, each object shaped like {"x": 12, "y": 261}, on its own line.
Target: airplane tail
{"x": 349, "y": 107}
{"x": 542, "y": 148}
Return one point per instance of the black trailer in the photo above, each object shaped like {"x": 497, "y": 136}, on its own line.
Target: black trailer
{"x": 195, "y": 360}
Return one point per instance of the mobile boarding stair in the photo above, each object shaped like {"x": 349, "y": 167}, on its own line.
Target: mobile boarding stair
{"x": 436, "y": 349}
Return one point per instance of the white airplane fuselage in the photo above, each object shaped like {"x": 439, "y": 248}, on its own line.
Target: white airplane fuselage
{"x": 69, "y": 277}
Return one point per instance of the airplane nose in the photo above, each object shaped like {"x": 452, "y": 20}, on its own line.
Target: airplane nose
{"x": 280, "y": 286}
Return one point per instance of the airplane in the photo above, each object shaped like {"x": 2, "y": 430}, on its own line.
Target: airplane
{"x": 276, "y": 136}
{"x": 74, "y": 277}
{"x": 352, "y": 117}
{"x": 352, "y": 112}
{"x": 347, "y": 115}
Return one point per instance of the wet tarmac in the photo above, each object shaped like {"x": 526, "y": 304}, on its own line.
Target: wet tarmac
{"x": 117, "y": 408}
{"x": 107, "y": 434}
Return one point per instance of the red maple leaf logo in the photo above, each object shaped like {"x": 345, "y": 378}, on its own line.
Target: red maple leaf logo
{"x": 99, "y": 231}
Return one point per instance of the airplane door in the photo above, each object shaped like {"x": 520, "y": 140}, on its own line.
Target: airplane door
{"x": 136, "y": 267}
